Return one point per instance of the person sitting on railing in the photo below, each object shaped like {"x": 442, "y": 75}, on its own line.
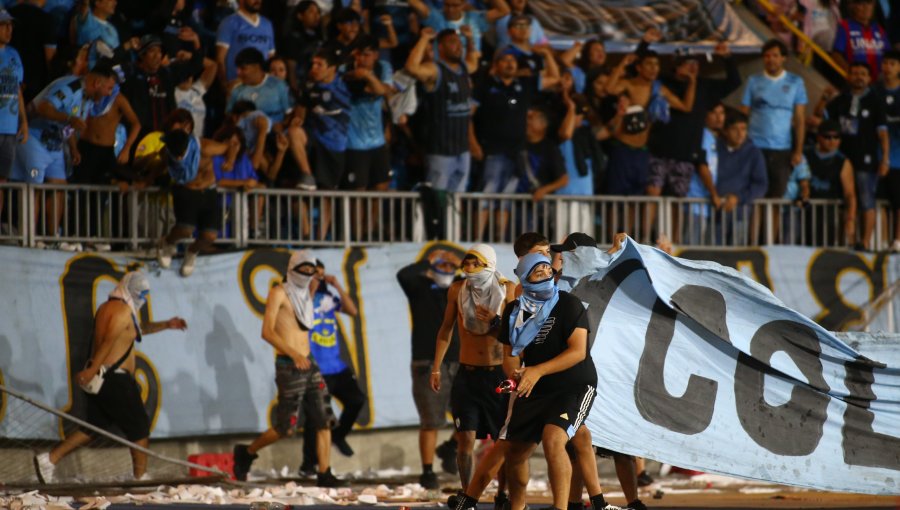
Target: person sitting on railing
{"x": 238, "y": 176}
{"x": 741, "y": 177}
{"x": 797, "y": 193}
{"x": 190, "y": 164}
{"x": 864, "y": 139}
{"x": 889, "y": 90}
{"x": 831, "y": 178}
{"x": 703, "y": 182}
{"x": 860, "y": 38}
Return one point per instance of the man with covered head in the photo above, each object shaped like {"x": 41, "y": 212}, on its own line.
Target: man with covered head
{"x": 546, "y": 349}
{"x": 113, "y": 395}
{"x": 287, "y": 321}
{"x": 475, "y": 303}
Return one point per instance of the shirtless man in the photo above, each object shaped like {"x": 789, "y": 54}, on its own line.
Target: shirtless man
{"x": 644, "y": 99}
{"x": 301, "y": 388}
{"x": 118, "y": 401}
{"x": 476, "y": 303}
{"x": 194, "y": 193}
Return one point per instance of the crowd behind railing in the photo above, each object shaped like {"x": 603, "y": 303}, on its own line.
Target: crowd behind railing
{"x": 268, "y": 122}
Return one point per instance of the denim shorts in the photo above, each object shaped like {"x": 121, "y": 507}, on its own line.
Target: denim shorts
{"x": 499, "y": 177}
{"x": 866, "y": 184}
{"x": 448, "y": 173}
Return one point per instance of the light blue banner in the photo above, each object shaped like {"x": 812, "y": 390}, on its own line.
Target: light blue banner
{"x": 703, "y": 368}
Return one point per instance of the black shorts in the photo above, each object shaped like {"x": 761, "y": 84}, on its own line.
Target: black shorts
{"x": 891, "y": 185}
{"x": 8, "y": 144}
{"x": 327, "y": 166}
{"x": 196, "y": 208}
{"x": 474, "y": 401}
{"x": 366, "y": 169}
{"x": 119, "y": 404}
{"x": 528, "y": 416}
{"x": 98, "y": 164}
{"x": 302, "y": 398}
{"x": 779, "y": 169}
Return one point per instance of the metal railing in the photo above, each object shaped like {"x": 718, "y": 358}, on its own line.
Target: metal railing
{"x": 35, "y": 215}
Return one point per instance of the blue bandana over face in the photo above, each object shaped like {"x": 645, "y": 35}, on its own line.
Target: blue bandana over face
{"x": 538, "y": 300}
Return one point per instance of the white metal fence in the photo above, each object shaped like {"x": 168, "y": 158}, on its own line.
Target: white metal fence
{"x": 132, "y": 219}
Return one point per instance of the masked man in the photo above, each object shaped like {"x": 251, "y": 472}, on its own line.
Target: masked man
{"x": 287, "y": 321}
{"x": 113, "y": 395}
{"x": 475, "y": 303}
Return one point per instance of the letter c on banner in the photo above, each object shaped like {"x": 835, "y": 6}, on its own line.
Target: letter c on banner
{"x": 795, "y": 427}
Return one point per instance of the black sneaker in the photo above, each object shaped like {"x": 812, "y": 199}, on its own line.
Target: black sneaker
{"x": 307, "y": 182}
{"x": 501, "y": 501}
{"x": 342, "y": 446}
{"x": 429, "y": 480}
{"x": 327, "y": 479}
{"x": 637, "y": 505}
{"x": 242, "y": 461}
{"x": 447, "y": 452}
{"x": 306, "y": 470}
{"x": 644, "y": 479}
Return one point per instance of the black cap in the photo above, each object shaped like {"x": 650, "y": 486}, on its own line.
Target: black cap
{"x": 347, "y": 15}
{"x": 574, "y": 240}
{"x": 829, "y": 126}
{"x": 149, "y": 41}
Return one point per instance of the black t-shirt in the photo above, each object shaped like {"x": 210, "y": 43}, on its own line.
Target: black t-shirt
{"x": 568, "y": 314}
{"x": 859, "y": 119}
{"x": 427, "y": 303}
{"x": 546, "y": 163}
{"x": 502, "y": 112}
{"x": 34, "y": 31}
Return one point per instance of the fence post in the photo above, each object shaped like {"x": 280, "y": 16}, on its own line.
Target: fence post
{"x": 242, "y": 219}
{"x": 664, "y": 219}
{"x": 770, "y": 223}
{"x": 26, "y": 208}
{"x": 133, "y": 217}
{"x": 345, "y": 220}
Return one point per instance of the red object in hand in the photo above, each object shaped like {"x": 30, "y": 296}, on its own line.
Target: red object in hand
{"x": 507, "y": 386}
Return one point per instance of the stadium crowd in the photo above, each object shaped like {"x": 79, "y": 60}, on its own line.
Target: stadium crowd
{"x": 316, "y": 95}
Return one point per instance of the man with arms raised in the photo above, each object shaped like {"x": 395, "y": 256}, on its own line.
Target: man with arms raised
{"x": 117, "y": 401}
{"x": 476, "y": 303}
{"x": 301, "y": 388}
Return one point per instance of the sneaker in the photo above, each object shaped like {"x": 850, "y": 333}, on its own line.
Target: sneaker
{"x": 187, "y": 267}
{"x": 143, "y": 478}
{"x": 164, "y": 252}
{"x": 242, "y": 461}
{"x": 306, "y": 470}
{"x": 69, "y": 247}
{"x": 327, "y": 479}
{"x": 429, "y": 480}
{"x": 447, "y": 453}
{"x": 637, "y": 505}
{"x": 102, "y": 247}
{"x": 307, "y": 182}
{"x": 342, "y": 445}
{"x": 501, "y": 501}
{"x": 644, "y": 479}
{"x": 614, "y": 507}
{"x": 44, "y": 468}
{"x": 895, "y": 246}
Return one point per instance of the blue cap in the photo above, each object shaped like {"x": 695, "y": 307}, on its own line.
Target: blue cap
{"x": 5, "y": 16}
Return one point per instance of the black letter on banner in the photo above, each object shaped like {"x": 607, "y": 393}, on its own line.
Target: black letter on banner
{"x": 862, "y": 445}
{"x": 795, "y": 427}
{"x": 597, "y": 293}
{"x": 692, "y": 412}
{"x": 824, "y": 270}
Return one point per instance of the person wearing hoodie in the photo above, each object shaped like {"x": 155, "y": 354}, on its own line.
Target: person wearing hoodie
{"x": 741, "y": 176}
{"x": 475, "y": 303}
{"x": 112, "y": 393}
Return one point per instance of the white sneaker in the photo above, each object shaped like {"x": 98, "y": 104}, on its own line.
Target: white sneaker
{"x": 164, "y": 252}
{"x": 187, "y": 268}
{"x": 69, "y": 247}
{"x": 895, "y": 247}
{"x": 102, "y": 247}
{"x": 41, "y": 245}
{"x": 144, "y": 478}
{"x": 43, "y": 468}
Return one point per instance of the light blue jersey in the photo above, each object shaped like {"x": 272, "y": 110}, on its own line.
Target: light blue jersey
{"x": 237, "y": 32}
{"x": 11, "y": 76}
{"x": 92, "y": 29}
{"x": 67, "y": 96}
{"x": 271, "y": 97}
{"x": 248, "y": 127}
{"x": 578, "y": 184}
{"x": 366, "y": 129}
{"x": 476, "y": 20}
{"x": 772, "y": 103}
{"x": 696, "y": 189}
